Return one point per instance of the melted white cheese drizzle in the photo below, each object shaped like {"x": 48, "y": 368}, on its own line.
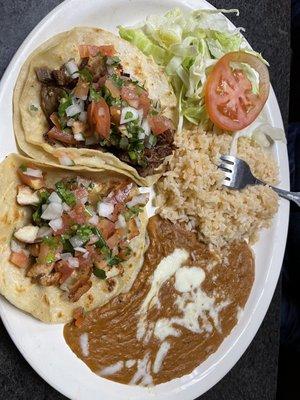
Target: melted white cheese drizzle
{"x": 84, "y": 344}
{"x": 164, "y": 271}
{"x": 112, "y": 369}
{"x": 160, "y": 356}
{"x": 142, "y": 375}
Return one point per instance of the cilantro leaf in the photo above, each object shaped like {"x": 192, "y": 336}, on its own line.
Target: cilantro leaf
{"x": 100, "y": 273}
{"x": 64, "y": 103}
{"x": 65, "y": 194}
{"x": 86, "y": 74}
{"x": 118, "y": 81}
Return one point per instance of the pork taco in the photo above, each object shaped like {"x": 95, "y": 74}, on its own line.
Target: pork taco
{"x": 68, "y": 238}
{"x": 87, "y": 97}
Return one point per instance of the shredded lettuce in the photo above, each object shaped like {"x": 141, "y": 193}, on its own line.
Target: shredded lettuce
{"x": 187, "y": 45}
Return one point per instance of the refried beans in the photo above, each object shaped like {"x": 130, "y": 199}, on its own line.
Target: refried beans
{"x": 184, "y": 302}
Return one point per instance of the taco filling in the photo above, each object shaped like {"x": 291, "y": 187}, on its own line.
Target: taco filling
{"x": 78, "y": 228}
{"x": 94, "y": 104}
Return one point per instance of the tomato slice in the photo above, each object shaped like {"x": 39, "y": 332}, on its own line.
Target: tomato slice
{"x": 99, "y": 117}
{"x": 136, "y": 97}
{"x": 61, "y": 136}
{"x": 230, "y": 101}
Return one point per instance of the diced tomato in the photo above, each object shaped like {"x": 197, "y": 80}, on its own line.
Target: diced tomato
{"x": 133, "y": 229}
{"x": 106, "y": 227}
{"x": 136, "y": 97}
{"x": 115, "y": 113}
{"x": 61, "y": 136}
{"x": 78, "y": 214}
{"x": 81, "y": 195}
{"x": 55, "y": 120}
{"x": 120, "y": 193}
{"x": 114, "y": 90}
{"x": 115, "y": 238}
{"x": 107, "y": 50}
{"x": 159, "y": 124}
{"x": 67, "y": 221}
{"x": 99, "y": 117}
{"x": 100, "y": 82}
{"x": 81, "y": 89}
{"x": 144, "y": 103}
{"x": 20, "y": 259}
{"x": 91, "y": 51}
{"x": 119, "y": 207}
{"x": 64, "y": 269}
{"x": 129, "y": 94}
{"x": 32, "y": 181}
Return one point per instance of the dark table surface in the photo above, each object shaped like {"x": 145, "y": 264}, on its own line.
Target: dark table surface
{"x": 254, "y": 377}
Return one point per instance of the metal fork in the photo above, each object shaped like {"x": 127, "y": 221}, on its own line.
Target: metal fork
{"x": 238, "y": 175}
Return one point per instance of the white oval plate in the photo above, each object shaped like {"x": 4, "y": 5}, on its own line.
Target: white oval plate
{"x": 43, "y": 345}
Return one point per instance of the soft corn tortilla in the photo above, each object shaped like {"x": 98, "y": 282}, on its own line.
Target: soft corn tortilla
{"x": 30, "y": 125}
{"x": 49, "y": 304}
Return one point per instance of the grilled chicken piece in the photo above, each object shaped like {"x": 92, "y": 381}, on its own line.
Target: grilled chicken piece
{"x": 27, "y": 234}
{"x": 38, "y": 270}
{"x": 26, "y": 196}
{"x": 75, "y": 296}
{"x": 49, "y": 280}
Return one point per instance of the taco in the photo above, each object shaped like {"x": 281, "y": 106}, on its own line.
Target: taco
{"x": 87, "y": 97}
{"x": 68, "y": 238}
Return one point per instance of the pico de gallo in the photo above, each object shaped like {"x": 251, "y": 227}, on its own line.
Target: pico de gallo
{"x": 78, "y": 228}
{"x": 95, "y": 104}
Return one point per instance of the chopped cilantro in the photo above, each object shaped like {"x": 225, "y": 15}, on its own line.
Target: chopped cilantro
{"x": 67, "y": 247}
{"x": 65, "y": 194}
{"x": 36, "y": 215}
{"x": 113, "y": 260}
{"x": 64, "y": 103}
{"x": 50, "y": 258}
{"x": 118, "y": 81}
{"x": 101, "y": 241}
{"x": 94, "y": 95}
{"x": 132, "y": 212}
{"x": 128, "y": 115}
{"x": 43, "y": 195}
{"x": 86, "y": 74}
{"x": 115, "y": 60}
{"x": 23, "y": 167}
{"x": 51, "y": 242}
{"x": 133, "y": 156}
{"x": 33, "y": 108}
{"x": 100, "y": 273}
{"x": 84, "y": 232}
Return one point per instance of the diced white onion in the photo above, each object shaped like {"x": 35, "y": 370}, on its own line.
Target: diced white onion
{"x": 56, "y": 224}
{"x": 83, "y": 116}
{"x": 105, "y": 209}
{"x": 54, "y": 198}
{"x": 36, "y": 173}
{"x": 73, "y": 262}
{"x": 146, "y": 127}
{"x": 65, "y": 160}
{"x": 140, "y": 199}
{"x": 53, "y": 211}
{"x": 94, "y": 220}
{"x": 121, "y": 223}
{"x": 134, "y": 115}
{"x": 44, "y": 231}
{"x": 141, "y": 114}
{"x": 76, "y": 241}
{"x": 83, "y": 182}
{"x": 79, "y": 137}
{"x": 93, "y": 239}
{"x": 72, "y": 68}
{"x": 65, "y": 256}
{"x": 80, "y": 249}
{"x": 110, "y": 70}
{"x": 138, "y": 222}
{"x": 141, "y": 135}
{"x": 15, "y": 246}
{"x": 73, "y": 109}
{"x": 86, "y": 255}
{"x": 66, "y": 207}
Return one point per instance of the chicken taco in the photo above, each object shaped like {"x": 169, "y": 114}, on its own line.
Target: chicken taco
{"x": 68, "y": 238}
{"x": 87, "y": 97}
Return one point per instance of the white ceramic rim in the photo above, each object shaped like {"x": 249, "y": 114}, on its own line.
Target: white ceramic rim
{"x": 198, "y": 382}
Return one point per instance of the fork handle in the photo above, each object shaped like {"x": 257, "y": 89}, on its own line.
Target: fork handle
{"x": 292, "y": 196}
